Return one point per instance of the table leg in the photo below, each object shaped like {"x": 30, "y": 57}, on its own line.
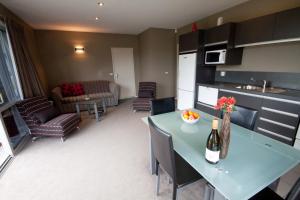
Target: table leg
{"x": 104, "y": 105}
{"x": 210, "y": 193}
{"x": 96, "y": 111}
{"x": 151, "y": 155}
{"x": 77, "y": 109}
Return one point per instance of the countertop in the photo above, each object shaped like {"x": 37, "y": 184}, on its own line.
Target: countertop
{"x": 288, "y": 94}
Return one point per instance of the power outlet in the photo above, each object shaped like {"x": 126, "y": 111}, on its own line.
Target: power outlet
{"x": 223, "y": 73}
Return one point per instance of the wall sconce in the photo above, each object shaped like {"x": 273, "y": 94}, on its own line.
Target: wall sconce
{"x": 79, "y": 50}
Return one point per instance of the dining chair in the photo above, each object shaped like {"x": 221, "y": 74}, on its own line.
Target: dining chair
{"x": 163, "y": 105}
{"x": 171, "y": 162}
{"x": 244, "y": 117}
{"x": 268, "y": 194}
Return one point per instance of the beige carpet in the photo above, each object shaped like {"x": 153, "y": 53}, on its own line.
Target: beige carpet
{"x": 102, "y": 161}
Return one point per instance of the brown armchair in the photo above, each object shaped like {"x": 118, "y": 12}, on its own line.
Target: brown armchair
{"x": 58, "y": 126}
{"x": 147, "y": 92}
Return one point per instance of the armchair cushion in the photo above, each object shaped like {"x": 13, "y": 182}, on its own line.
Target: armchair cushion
{"x": 60, "y": 125}
{"x": 145, "y": 94}
{"x": 46, "y": 115}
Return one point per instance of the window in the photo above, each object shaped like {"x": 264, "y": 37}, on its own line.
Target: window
{"x": 9, "y": 89}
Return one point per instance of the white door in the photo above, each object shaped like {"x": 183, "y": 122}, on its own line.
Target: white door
{"x": 185, "y": 100}
{"x": 123, "y": 69}
{"x": 187, "y": 72}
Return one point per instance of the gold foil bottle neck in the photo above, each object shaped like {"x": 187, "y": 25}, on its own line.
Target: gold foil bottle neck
{"x": 215, "y": 124}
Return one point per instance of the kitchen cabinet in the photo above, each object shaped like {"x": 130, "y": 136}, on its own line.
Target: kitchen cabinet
{"x": 255, "y": 30}
{"x": 279, "y": 120}
{"x": 287, "y": 24}
{"x": 222, "y": 34}
{"x": 190, "y": 42}
{"x": 274, "y": 28}
{"x": 242, "y": 99}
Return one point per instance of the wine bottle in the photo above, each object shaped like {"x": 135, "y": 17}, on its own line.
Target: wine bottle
{"x": 213, "y": 144}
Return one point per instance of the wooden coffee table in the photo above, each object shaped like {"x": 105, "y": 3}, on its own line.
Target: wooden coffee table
{"x": 95, "y": 103}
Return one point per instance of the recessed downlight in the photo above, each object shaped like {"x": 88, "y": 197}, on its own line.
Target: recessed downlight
{"x": 97, "y": 18}
{"x": 100, "y": 4}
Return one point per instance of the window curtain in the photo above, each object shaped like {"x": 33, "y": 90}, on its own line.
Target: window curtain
{"x": 31, "y": 85}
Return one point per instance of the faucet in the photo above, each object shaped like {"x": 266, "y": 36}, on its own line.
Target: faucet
{"x": 264, "y": 85}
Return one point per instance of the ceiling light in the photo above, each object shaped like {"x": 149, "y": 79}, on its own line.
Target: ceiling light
{"x": 100, "y": 4}
{"x": 97, "y": 18}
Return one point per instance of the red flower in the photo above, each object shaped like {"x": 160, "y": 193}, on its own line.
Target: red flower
{"x": 225, "y": 104}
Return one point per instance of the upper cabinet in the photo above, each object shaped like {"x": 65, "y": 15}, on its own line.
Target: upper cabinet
{"x": 287, "y": 24}
{"x": 279, "y": 27}
{"x": 222, "y": 34}
{"x": 255, "y": 30}
{"x": 190, "y": 42}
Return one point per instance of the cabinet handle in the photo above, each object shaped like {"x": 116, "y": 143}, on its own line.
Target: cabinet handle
{"x": 277, "y": 123}
{"x": 280, "y": 112}
{"x": 275, "y": 134}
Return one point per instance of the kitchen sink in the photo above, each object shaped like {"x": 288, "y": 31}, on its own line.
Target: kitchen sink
{"x": 260, "y": 89}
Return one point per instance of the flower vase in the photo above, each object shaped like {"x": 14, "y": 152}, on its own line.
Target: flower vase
{"x": 225, "y": 135}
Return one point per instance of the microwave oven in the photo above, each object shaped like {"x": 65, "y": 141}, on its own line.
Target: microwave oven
{"x": 215, "y": 57}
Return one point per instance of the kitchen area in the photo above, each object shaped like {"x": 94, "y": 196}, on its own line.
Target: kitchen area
{"x": 256, "y": 61}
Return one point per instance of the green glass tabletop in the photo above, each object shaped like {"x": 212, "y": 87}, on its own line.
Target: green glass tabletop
{"x": 253, "y": 161}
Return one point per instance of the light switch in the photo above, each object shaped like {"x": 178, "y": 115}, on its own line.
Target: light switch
{"x": 223, "y": 73}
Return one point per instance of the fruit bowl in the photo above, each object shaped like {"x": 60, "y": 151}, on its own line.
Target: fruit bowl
{"x": 190, "y": 116}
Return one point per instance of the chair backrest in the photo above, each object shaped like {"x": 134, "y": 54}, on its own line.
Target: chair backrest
{"x": 294, "y": 193}
{"x": 163, "y": 151}
{"x": 244, "y": 117}
{"x": 28, "y": 107}
{"x": 147, "y": 87}
{"x": 163, "y": 105}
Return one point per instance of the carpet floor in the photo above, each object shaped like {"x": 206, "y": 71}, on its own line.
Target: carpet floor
{"x": 103, "y": 160}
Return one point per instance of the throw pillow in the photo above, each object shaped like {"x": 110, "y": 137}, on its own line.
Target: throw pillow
{"x": 77, "y": 89}
{"x": 46, "y": 115}
{"x": 145, "y": 94}
{"x": 66, "y": 90}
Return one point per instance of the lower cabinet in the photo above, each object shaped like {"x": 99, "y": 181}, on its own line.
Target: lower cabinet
{"x": 277, "y": 118}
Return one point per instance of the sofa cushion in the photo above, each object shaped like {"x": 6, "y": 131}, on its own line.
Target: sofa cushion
{"x": 66, "y": 90}
{"x": 77, "y": 89}
{"x": 99, "y": 86}
{"x": 46, "y": 115}
{"x": 73, "y": 99}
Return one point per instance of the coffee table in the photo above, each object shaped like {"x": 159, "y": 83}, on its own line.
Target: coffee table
{"x": 95, "y": 103}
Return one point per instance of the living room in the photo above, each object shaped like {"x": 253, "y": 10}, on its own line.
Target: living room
{"x": 79, "y": 81}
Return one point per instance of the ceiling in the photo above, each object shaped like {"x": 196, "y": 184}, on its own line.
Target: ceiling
{"x": 116, "y": 16}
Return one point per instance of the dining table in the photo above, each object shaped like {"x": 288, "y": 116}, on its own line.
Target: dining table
{"x": 254, "y": 161}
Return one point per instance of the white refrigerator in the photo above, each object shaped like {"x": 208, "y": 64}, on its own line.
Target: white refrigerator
{"x": 186, "y": 81}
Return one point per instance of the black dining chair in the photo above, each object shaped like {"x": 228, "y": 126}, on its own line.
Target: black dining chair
{"x": 171, "y": 162}
{"x": 268, "y": 194}
{"x": 244, "y": 117}
{"x": 163, "y": 105}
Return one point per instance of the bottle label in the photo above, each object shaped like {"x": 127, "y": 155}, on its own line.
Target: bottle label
{"x": 212, "y": 156}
